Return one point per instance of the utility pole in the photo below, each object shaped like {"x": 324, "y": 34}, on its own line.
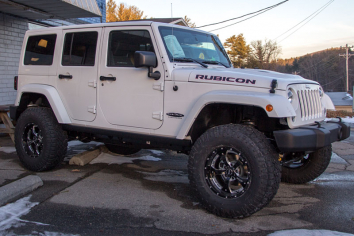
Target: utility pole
{"x": 347, "y": 56}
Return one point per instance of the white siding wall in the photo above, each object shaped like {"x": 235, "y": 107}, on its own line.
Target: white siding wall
{"x": 12, "y": 31}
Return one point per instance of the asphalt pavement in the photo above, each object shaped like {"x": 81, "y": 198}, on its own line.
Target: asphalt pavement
{"x": 148, "y": 194}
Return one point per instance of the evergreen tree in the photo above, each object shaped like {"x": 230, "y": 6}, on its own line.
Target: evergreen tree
{"x": 237, "y": 49}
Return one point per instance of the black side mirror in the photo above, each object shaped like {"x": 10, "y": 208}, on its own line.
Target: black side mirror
{"x": 148, "y": 59}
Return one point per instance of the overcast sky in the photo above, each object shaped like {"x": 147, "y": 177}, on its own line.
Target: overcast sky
{"x": 333, "y": 27}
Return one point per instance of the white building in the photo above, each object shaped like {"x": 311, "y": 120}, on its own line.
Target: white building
{"x": 17, "y": 16}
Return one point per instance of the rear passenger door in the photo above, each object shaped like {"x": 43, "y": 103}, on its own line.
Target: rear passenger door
{"x": 77, "y": 72}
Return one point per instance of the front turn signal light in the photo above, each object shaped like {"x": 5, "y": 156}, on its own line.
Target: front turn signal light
{"x": 269, "y": 108}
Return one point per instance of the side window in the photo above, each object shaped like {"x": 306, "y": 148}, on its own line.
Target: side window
{"x": 40, "y": 50}
{"x": 123, "y": 44}
{"x": 79, "y": 49}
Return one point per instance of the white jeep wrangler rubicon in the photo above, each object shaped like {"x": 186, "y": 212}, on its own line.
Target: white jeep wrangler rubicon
{"x": 143, "y": 84}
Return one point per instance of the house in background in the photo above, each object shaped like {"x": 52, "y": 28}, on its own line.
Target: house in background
{"x": 341, "y": 100}
{"x": 176, "y": 21}
{"x": 17, "y": 16}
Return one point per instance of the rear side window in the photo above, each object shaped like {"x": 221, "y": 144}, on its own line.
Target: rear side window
{"x": 123, "y": 44}
{"x": 40, "y": 50}
{"x": 79, "y": 49}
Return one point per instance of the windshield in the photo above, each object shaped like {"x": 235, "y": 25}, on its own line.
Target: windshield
{"x": 183, "y": 43}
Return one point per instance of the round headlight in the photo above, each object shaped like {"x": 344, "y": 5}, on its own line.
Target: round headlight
{"x": 290, "y": 95}
{"x": 320, "y": 90}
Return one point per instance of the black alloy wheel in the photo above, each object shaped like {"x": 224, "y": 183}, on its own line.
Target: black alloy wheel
{"x": 227, "y": 172}
{"x": 233, "y": 170}
{"x": 40, "y": 141}
{"x": 32, "y": 140}
{"x": 298, "y": 168}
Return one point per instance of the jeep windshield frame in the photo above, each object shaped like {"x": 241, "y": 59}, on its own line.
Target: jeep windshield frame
{"x": 195, "y": 45}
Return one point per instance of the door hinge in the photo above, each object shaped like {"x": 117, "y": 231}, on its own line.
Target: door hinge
{"x": 157, "y": 115}
{"x": 92, "y": 84}
{"x": 158, "y": 86}
{"x": 92, "y": 109}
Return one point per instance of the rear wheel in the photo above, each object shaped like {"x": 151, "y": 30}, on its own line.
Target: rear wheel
{"x": 122, "y": 150}
{"x": 299, "y": 168}
{"x": 40, "y": 142}
{"x": 234, "y": 170}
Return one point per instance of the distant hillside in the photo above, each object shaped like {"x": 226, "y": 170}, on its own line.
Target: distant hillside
{"x": 324, "y": 66}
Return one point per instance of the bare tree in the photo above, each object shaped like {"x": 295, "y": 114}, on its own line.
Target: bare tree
{"x": 264, "y": 54}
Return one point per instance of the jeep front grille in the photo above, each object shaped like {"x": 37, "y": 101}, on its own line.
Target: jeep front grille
{"x": 310, "y": 104}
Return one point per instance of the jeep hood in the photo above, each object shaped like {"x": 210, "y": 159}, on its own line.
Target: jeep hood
{"x": 238, "y": 77}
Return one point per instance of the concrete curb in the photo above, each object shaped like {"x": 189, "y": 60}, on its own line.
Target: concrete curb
{"x": 19, "y": 188}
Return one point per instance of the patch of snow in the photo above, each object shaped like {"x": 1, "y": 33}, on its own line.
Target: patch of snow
{"x": 149, "y": 158}
{"x": 8, "y": 149}
{"x": 109, "y": 159}
{"x": 348, "y": 119}
{"x": 337, "y": 159}
{"x": 344, "y": 119}
{"x": 156, "y": 152}
{"x": 46, "y": 233}
{"x": 334, "y": 177}
{"x": 307, "y": 232}
{"x": 77, "y": 142}
{"x": 168, "y": 176}
{"x": 10, "y": 214}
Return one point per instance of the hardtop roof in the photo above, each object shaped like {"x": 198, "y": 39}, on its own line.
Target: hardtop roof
{"x": 112, "y": 24}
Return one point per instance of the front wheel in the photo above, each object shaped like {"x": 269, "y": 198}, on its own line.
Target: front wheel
{"x": 302, "y": 168}
{"x": 234, "y": 170}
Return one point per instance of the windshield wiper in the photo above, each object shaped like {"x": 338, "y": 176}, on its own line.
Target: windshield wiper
{"x": 187, "y": 59}
{"x": 216, "y": 63}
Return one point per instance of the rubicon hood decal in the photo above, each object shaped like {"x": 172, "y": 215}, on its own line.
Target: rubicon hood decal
{"x": 227, "y": 79}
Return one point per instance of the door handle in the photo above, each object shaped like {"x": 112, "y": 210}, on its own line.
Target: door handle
{"x": 102, "y": 78}
{"x": 65, "y": 76}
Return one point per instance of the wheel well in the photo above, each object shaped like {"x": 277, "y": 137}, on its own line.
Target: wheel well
{"x": 221, "y": 114}
{"x": 31, "y": 99}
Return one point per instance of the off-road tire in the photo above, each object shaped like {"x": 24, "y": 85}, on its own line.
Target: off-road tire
{"x": 316, "y": 164}
{"x": 264, "y": 168}
{"x": 54, "y": 139}
{"x": 122, "y": 150}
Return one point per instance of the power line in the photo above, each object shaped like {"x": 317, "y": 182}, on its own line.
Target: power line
{"x": 242, "y": 20}
{"x": 306, "y": 22}
{"x": 331, "y": 82}
{"x": 304, "y": 19}
{"x": 330, "y": 61}
{"x": 264, "y": 9}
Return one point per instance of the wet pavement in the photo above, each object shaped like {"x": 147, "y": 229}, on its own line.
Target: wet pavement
{"x": 148, "y": 194}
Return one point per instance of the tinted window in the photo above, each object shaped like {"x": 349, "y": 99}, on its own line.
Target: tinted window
{"x": 40, "y": 50}
{"x": 79, "y": 49}
{"x": 123, "y": 44}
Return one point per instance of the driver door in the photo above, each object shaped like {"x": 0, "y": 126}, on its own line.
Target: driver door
{"x": 127, "y": 96}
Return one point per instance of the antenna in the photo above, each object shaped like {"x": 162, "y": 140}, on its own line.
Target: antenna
{"x": 173, "y": 56}
{"x": 175, "y": 87}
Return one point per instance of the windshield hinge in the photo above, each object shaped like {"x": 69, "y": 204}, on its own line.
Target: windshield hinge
{"x": 158, "y": 86}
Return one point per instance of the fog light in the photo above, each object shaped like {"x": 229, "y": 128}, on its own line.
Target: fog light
{"x": 293, "y": 118}
{"x": 269, "y": 108}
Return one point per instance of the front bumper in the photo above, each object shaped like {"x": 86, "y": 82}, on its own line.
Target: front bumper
{"x": 311, "y": 138}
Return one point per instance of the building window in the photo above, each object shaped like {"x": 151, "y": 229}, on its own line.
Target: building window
{"x": 80, "y": 49}
{"x": 40, "y": 50}
{"x": 123, "y": 45}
